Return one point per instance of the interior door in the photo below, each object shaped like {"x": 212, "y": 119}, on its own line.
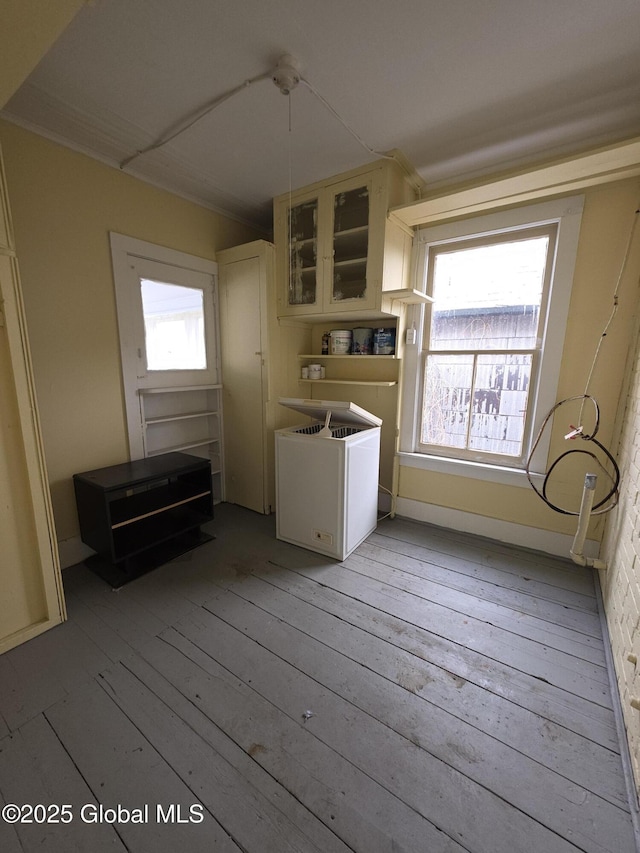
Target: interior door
{"x": 243, "y": 350}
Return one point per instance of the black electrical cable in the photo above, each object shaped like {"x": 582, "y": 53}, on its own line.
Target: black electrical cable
{"x": 611, "y": 498}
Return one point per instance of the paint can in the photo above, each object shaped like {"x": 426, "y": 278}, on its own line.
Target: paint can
{"x": 362, "y": 341}
{"x": 384, "y": 341}
{"x": 341, "y": 341}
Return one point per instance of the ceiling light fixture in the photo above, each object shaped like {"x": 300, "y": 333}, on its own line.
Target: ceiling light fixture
{"x": 286, "y": 75}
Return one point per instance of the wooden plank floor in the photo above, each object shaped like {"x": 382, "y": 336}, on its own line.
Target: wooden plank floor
{"x": 433, "y": 693}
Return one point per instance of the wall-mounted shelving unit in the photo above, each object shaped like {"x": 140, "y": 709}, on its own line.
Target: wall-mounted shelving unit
{"x": 338, "y": 253}
{"x": 185, "y": 419}
{"x": 379, "y": 371}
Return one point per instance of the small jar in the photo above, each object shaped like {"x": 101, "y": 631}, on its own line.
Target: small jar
{"x": 305, "y": 372}
{"x": 315, "y": 371}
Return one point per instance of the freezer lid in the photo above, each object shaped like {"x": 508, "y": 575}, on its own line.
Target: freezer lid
{"x": 341, "y": 411}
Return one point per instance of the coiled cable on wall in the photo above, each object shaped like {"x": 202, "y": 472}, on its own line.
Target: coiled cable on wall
{"x": 610, "y": 500}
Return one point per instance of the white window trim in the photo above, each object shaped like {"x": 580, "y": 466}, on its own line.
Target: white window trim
{"x": 567, "y": 212}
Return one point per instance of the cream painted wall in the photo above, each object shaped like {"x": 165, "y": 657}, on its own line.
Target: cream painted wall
{"x": 607, "y": 218}
{"x": 64, "y": 205}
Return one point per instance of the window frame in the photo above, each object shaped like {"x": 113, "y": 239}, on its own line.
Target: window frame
{"x": 566, "y": 214}
{"x": 519, "y": 233}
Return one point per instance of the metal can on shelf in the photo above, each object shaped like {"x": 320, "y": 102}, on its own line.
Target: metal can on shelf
{"x": 384, "y": 341}
{"x": 362, "y": 341}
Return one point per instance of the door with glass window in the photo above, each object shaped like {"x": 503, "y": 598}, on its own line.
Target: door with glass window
{"x": 167, "y": 316}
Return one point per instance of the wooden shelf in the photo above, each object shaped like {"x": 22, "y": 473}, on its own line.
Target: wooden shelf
{"x": 351, "y": 357}
{"x": 408, "y": 296}
{"x": 372, "y": 382}
{"x": 164, "y": 507}
{"x": 188, "y": 416}
{"x": 187, "y": 446}
{"x": 172, "y": 389}
{"x": 349, "y": 262}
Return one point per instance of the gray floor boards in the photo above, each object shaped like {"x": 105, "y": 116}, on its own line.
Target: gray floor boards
{"x": 433, "y": 693}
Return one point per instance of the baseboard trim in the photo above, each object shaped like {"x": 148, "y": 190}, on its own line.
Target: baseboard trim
{"x": 557, "y": 544}
{"x": 623, "y": 740}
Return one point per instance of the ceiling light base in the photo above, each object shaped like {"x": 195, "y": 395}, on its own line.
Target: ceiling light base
{"x": 286, "y": 75}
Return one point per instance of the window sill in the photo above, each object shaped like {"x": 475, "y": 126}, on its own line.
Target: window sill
{"x": 466, "y": 468}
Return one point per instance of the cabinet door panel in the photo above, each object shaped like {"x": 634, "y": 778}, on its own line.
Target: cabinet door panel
{"x": 357, "y": 214}
{"x": 301, "y": 261}
{"x": 243, "y": 356}
{"x": 331, "y": 247}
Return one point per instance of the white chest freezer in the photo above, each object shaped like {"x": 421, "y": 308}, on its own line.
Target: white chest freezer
{"x": 327, "y": 487}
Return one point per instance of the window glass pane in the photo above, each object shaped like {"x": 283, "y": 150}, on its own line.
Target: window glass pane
{"x": 488, "y": 297}
{"x": 173, "y": 326}
{"x": 303, "y": 225}
{"x": 448, "y": 383}
{"x": 350, "y": 240}
{"x": 500, "y": 403}
{"x": 476, "y": 402}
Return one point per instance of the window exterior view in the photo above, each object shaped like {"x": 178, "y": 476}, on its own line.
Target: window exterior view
{"x": 483, "y": 337}
{"x": 174, "y": 326}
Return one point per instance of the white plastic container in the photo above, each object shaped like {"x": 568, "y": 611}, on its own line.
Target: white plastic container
{"x": 341, "y": 341}
{"x": 327, "y": 487}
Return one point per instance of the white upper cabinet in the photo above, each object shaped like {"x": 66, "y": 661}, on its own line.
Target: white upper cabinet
{"x": 337, "y": 255}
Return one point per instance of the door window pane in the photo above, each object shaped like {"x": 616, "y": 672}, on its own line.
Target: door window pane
{"x": 173, "y": 326}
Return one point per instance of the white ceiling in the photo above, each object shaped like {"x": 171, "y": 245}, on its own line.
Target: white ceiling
{"x": 461, "y": 87}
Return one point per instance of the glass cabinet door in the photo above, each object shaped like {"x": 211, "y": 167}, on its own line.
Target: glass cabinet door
{"x": 350, "y": 244}
{"x": 303, "y": 253}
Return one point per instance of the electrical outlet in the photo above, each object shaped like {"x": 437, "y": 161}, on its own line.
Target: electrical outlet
{"x": 322, "y": 536}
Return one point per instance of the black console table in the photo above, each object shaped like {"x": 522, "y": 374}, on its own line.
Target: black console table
{"x": 141, "y": 514}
